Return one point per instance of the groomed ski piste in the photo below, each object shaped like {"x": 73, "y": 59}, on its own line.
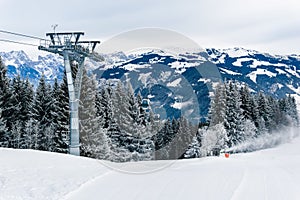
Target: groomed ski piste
{"x": 272, "y": 173}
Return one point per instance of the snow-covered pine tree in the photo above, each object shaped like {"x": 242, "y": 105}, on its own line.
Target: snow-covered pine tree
{"x": 121, "y": 109}
{"x": 104, "y": 107}
{"x": 162, "y": 140}
{"x": 234, "y": 118}
{"x": 4, "y": 134}
{"x": 94, "y": 140}
{"x": 250, "y": 129}
{"x": 50, "y": 141}
{"x": 152, "y": 127}
{"x": 215, "y": 137}
{"x": 5, "y": 95}
{"x": 87, "y": 114}
{"x": 254, "y": 113}
{"x": 183, "y": 138}
{"x": 113, "y": 128}
{"x": 27, "y": 98}
{"x": 246, "y": 102}
{"x": 194, "y": 149}
{"x": 217, "y": 108}
{"x": 32, "y": 131}
{"x": 101, "y": 140}
{"x": 265, "y": 111}
{"x": 275, "y": 114}
{"x": 16, "y": 135}
{"x": 15, "y": 100}
{"x": 141, "y": 114}
{"x": 291, "y": 110}
{"x": 42, "y": 111}
{"x": 100, "y": 111}
{"x": 101, "y": 149}
{"x": 118, "y": 152}
{"x": 63, "y": 116}
{"x": 133, "y": 103}
{"x": 21, "y": 107}
{"x": 58, "y": 121}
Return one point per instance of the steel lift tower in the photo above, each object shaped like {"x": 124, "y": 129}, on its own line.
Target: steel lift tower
{"x": 69, "y": 46}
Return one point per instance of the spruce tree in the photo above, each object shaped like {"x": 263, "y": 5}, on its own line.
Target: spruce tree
{"x": 63, "y": 116}
{"x": 42, "y": 112}
{"x": 59, "y": 120}
{"x": 32, "y": 131}
{"x": 233, "y": 120}
{"x": 217, "y": 108}
{"x": 26, "y": 101}
{"x": 184, "y": 135}
{"x": 246, "y": 103}
{"x": 16, "y": 135}
{"x": 292, "y": 110}
{"x": 4, "y": 134}
{"x": 94, "y": 140}
{"x": 5, "y": 95}
{"x": 265, "y": 111}
{"x": 87, "y": 113}
{"x": 194, "y": 149}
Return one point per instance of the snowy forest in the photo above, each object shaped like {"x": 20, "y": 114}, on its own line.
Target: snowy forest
{"x": 116, "y": 126}
{"x": 237, "y": 117}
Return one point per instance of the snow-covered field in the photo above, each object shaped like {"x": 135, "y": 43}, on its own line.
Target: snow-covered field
{"x": 267, "y": 174}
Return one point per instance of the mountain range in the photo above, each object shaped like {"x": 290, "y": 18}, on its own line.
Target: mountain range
{"x": 175, "y": 83}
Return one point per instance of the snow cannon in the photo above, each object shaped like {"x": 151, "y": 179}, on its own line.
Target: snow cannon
{"x": 226, "y": 155}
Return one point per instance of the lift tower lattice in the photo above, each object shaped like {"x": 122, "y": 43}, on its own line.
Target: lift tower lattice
{"x": 68, "y": 45}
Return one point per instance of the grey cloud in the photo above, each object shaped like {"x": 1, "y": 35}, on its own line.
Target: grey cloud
{"x": 229, "y": 21}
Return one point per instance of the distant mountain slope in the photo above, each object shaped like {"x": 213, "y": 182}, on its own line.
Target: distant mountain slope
{"x": 176, "y": 83}
{"x": 18, "y": 62}
{"x": 273, "y": 74}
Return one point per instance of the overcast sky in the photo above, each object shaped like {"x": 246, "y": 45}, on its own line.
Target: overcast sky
{"x": 266, "y": 25}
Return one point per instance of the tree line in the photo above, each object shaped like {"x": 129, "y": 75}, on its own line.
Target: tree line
{"x": 237, "y": 115}
{"x": 33, "y": 118}
{"x": 115, "y": 124}
{"x": 123, "y": 129}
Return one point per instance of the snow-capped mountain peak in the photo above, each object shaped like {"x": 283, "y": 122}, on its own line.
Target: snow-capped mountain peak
{"x": 274, "y": 74}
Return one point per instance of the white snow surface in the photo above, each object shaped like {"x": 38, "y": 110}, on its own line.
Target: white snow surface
{"x": 181, "y": 105}
{"x": 256, "y": 63}
{"x": 174, "y": 83}
{"x": 229, "y": 71}
{"x": 237, "y": 52}
{"x": 267, "y": 174}
{"x": 253, "y": 75}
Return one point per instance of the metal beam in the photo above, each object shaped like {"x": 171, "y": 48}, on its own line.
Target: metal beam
{"x": 65, "y": 33}
{"x": 69, "y": 46}
{"x": 74, "y": 124}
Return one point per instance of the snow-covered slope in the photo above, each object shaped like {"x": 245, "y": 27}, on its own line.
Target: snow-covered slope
{"x": 274, "y": 74}
{"x": 18, "y": 62}
{"x": 268, "y": 174}
{"x": 155, "y": 73}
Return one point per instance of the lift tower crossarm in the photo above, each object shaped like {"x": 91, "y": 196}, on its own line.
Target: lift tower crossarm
{"x": 70, "y": 36}
{"x": 69, "y": 46}
{"x": 93, "y": 43}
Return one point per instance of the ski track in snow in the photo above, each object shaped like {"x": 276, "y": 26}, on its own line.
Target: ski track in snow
{"x": 85, "y": 184}
{"x": 258, "y": 175}
{"x": 272, "y": 174}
